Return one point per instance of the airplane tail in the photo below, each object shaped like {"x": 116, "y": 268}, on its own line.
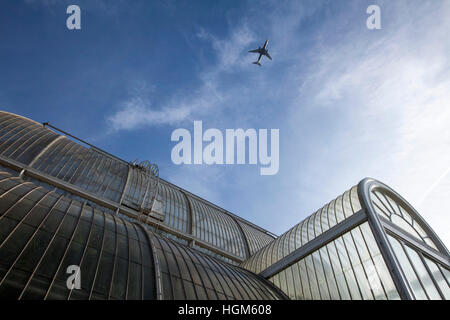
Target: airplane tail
{"x": 256, "y": 62}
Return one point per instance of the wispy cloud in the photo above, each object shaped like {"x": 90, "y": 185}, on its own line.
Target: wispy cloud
{"x": 231, "y": 51}
{"x": 385, "y": 101}
{"x": 137, "y": 112}
{"x": 206, "y": 100}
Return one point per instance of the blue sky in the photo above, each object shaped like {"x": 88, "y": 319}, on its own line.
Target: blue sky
{"x": 349, "y": 102}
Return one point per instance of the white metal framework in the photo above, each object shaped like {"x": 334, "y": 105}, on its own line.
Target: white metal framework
{"x": 368, "y": 243}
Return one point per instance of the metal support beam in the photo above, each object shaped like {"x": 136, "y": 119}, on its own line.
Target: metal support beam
{"x": 316, "y": 243}
{"x": 191, "y": 215}
{"x": 416, "y": 244}
{"x": 124, "y": 187}
{"x": 400, "y": 281}
{"x": 158, "y": 277}
{"x": 246, "y": 244}
{"x": 45, "y": 150}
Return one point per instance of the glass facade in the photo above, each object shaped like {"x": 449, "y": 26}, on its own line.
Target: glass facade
{"x": 323, "y": 219}
{"x": 66, "y": 203}
{"x": 368, "y": 243}
{"x": 349, "y": 267}
{"x": 425, "y": 284}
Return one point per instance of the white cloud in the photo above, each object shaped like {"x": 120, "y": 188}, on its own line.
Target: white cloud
{"x": 137, "y": 111}
{"x": 390, "y": 97}
{"x": 230, "y": 51}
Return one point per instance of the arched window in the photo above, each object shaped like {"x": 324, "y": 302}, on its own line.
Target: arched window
{"x": 399, "y": 214}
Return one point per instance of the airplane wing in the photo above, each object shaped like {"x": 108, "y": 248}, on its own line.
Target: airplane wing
{"x": 254, "y": 51}
{"x": 268, "y": 55}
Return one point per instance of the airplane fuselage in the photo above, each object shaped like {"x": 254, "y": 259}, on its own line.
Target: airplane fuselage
{"x": 262, "y": 51}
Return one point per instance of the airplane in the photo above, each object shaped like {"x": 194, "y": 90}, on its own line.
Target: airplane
{"x": 262, "y": 51}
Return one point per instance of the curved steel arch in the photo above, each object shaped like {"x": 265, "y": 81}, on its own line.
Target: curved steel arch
{"x": 365, "y": 188}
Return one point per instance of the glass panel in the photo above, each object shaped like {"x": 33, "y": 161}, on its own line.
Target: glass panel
{"x": 423, "y": 274}
{"x": 331, "y": 214}
{"x": 348, "y": 211}
{"x": 379, "y": 206}
{"x": 429, "y": 242}
{"x": 407, "y": 269}
{"x": 355, "y": 199}
{"x": 368, "y": 265}
{"x": 338, "y": 271}
{"x": 357, "y": 267}
{"x": 329, "y": 275}
{"x": 312, "y": 278}
{"x": 323, "y": 288}
{"x": 380, "y": 265}
{"x": 305, "y": 281}
{"x": 347, "y": 268}
{"x": 406, "y": 215}
{"x": 439, "y": 278}
{"x": 324, "y": 218}
{"x": 395, "y": 211}
{"x": 297, "y": 281}
{"x": 399, "y": 221}
{"x": 446, "y": 273}
{"x": 339, "y": 209}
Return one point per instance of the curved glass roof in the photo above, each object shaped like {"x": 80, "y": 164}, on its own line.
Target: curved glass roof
{"x": 43, "y": 232}
{"x": 323, "y": 219}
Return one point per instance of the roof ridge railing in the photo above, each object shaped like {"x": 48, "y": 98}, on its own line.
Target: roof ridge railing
{"x": 47, "y": 124}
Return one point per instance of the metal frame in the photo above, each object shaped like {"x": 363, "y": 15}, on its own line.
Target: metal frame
{"x": 244, "y": 236}
{"x": 125, "y": 186}
{"x": 399, "y": 279}
{"x": 48, "y": 245}
{"x": 433, "y": 254}
{"x": 316, "y": 243}
{"x": 47, "y": 124}
{"x": 82, "y": 208}
{"x": 380, "y": 227}
{"x": 115, "y": 257}
{"x": 100, "y": 253}
{"x": 190, "y": 226}
{"x": 154, "y": 255}
{"x": 88, "y": 240}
